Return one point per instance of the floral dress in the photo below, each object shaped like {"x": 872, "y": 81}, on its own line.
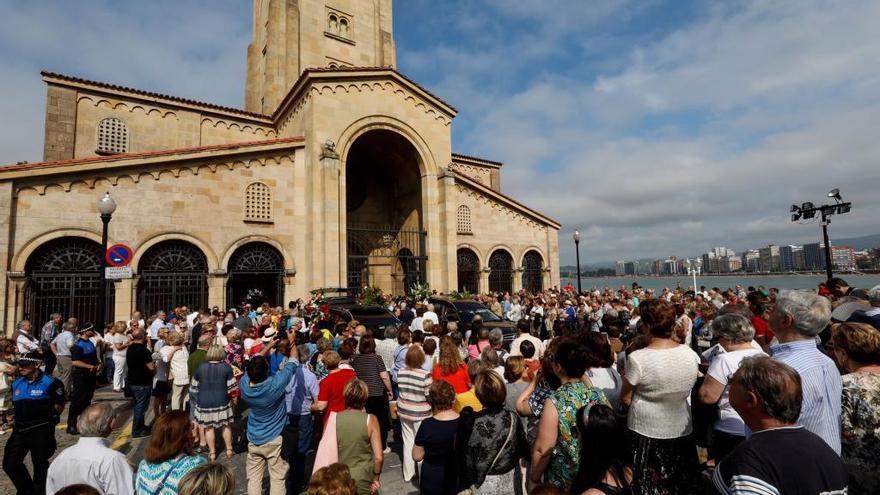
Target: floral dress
{"x": 860, "y": 407}
{"x": 235, "y": 358}
{"x": 568, "y": 399}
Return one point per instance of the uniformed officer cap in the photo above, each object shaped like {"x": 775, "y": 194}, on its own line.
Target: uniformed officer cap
{"x": 32, "y": 358}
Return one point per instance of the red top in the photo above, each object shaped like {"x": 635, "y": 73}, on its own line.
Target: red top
{"x": 459, "y": 380}
{"x": 762, "y": 329}
{"x": 331, "y": 391}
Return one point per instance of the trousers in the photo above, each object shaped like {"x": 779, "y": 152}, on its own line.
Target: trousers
{"x": 82, "y": 390}
{"x": 40, "y": 443}
{"x": 297, "y": 437}
{"x": 63, "y": 367}
{"x": 120, "y": 369}
{"x": 141, "y": 402}
{"x": 179, "y": 397}
{"x": 260, "y": 457}
{"x": 408, "y": 430}
{"x": 378, "y": 406}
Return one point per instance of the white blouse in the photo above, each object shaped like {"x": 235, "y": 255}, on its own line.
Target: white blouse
{"x": 663, "y": 379}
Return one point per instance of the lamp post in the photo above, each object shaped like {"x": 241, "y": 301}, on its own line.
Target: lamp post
{"x": 106, "y": 206}
{"x": 577, "y": 254}
{"x": 807, "y": 211}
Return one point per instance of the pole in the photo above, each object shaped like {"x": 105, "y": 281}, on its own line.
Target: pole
{"x": 102, "y": 286}
{"x": 577, "y": 254}
{"x": 828, "y": 267}
{"x": 694, "y": 272}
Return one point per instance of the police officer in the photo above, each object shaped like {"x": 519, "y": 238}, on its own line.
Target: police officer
{"x": 84, "y": 359}
{"x": 38, "y": 400}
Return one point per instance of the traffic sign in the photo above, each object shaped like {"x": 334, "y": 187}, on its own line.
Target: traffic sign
{"x": 118, "y": 255}
{"x": 117, "y": 272}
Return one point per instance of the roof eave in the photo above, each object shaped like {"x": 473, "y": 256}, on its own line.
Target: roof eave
{"x": 506, "y": 200}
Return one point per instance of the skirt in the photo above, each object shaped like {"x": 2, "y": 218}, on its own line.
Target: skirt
{"x": 665, "y": 466}
{"x": 213, "y": 417}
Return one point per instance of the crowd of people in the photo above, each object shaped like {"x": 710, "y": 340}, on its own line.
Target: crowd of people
{"x": 614, "y": 391}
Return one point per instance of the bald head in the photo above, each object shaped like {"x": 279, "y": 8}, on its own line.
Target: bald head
{"x": 205, "y": 341}
{"x": 96, "y": 420}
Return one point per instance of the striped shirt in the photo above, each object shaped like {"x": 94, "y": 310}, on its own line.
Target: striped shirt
{"x": 822, "y": 388}
{"x": 369, "y": 368}
{"x": 413, "y": 402}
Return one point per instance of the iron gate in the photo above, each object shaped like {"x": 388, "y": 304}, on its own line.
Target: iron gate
{"x": 468, "y": 271}
{"x": 64, "y": 276}
{"x": 501, "y": 272}
{"x": 375, "y": 242}
{"x": 256, "y": 275}
{"x": 172, "y": 273}
{"x": 533, "y": 277}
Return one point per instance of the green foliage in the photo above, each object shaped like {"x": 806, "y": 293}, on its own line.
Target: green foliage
{"x": 372, "y": 296}
{"x": 465, "y": 294}
{"x": 420, "y": 292}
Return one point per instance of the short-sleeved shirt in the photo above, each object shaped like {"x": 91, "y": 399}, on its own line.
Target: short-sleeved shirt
{"x": 136, "y": 359}
{"x": 467, "y": 399}
{"x": 663, "y": 379}
{"x": 781, "y": 460}
{"x": 63, "y": 342}
{"x": 459, "y": 379}
{"x": 84, "y": 351}
{"x": 722, "y": 368}
{"x": 34, "y": 401}
{"x": 330, "y": 391}
{"x": 368, "y": 367}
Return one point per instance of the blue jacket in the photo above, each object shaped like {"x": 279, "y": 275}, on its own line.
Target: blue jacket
{"x": 268, "y": 414}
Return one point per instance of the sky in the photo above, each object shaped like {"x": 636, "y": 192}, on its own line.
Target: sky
{"x": 655, "y": 128}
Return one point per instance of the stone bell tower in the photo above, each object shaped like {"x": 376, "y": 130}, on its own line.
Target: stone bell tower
{"x": 290, "y": 36}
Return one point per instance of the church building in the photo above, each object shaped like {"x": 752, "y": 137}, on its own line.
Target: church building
{"x": 338, "y": 172}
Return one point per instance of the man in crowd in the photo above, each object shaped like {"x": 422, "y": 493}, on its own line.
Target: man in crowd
{"x": 139, "y": 361}
{"x": 870, "y": 316}
{"x": 47, "y": 335}
{"x": 90, "y": 461}
{"x": 84, "y": 359}
{"x": 200, "y": 355}
{"x": 38, "y": 400}
{"x": 430, "y": 315}
{"x": 523, "y": 334}
{"x": 264, "y": 395}
{"x": 61, "y": 348}
{"x": 300, "y": 394}
{"x": 798, "y": 318}
{"x": 24, "y": 341}
{"x": 781, "y": 456}
{"x": 155, "y": 326}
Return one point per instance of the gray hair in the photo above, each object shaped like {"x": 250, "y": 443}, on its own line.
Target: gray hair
{"x": 304, "y": 353}
{"x": 95, "y": 420}
{"x": 391, "y": 332}
{"x": 451, "y": 326}
{"x": 735, "y": 309}
{"x": 496, "y": 336}
{"x": 776, "y": 384}
{"x": 810, "y": 313}
{"x": 490, "y": 357}
{"x": 733, "y": 327}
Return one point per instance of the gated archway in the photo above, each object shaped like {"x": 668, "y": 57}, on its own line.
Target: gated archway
{"x": 500, "y": 272}
{"x": 256, "y": 275}
{"x": 172, "y": 273}
{"x": 468, "y": 271}
{"x": 64, "y": 276}
{"x": 533, "y": 276}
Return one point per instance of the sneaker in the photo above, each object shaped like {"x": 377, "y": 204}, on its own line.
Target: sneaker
{"x": 387, "y": 450}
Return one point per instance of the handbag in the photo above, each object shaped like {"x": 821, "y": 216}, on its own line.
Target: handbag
{"x": 474, "y": 489}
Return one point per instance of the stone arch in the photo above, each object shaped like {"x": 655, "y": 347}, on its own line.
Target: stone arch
{"x": 427, "y": 164}
{"x": 255, "y": 275}
{"x": 532, "y": 265}
{"x": 145, "y": 246}
{"x": 499, "y": 247}
{"x": 19, "y": 260}
{"x": 227, "y": 255}
{"x": 172, "y": 272}
{"x": 469, "y": 269}
{"x": 501, "y": 268}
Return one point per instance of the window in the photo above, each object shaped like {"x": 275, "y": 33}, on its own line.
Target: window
{"x": 333, "y": 24}
{"x": 464, "y": 220}
{"x": 258, "y": 203}
{"x": 112, "y": 137}
{"x": 343, "y": 27}
{"x": 339, "y": 26}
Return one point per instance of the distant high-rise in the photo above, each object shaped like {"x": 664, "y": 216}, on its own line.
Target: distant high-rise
{"x": 814, "y": 256}
{"x": 786, "y": 258}
{"x": 843, "y": 258}
{"x": 769, "y": 258}
{"x": 619, "y": 269}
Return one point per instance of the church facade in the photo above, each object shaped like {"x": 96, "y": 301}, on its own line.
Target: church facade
{"x": 339, "y": 172}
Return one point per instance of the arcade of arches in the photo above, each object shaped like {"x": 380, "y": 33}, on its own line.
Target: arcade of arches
{"x": 501, "y": 274}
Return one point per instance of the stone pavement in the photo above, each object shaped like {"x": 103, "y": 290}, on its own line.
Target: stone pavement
{"x": 392, "y": 479}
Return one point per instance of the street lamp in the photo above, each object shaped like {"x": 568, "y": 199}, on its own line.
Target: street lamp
{"x": 106, "y": 206}
{"x": 577, "y": 254}
{"x": 807, "y": 211}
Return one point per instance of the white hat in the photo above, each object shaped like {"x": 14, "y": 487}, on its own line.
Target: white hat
{"x": 269, "y": 334}
{"x": 845, "y": 310}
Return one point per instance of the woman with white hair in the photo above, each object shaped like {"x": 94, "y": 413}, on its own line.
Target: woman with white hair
{"x": 735, "y": 334}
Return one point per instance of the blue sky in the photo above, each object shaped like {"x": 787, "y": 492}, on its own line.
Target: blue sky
{"x": 654, "y": 127}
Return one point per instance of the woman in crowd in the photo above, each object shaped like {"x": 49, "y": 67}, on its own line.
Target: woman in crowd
{"x": 176, "y": 356}
{"x": 334, "y": 479}
{"x": 658, "y": 382}
{"x": 530, "y": 403}
{"x": 601, "y": 369}
{"x": 734, "y": 333}
{"x": 369, "y": 368}
{"x": 168, "y": 455}
{"x": 479, "y": 340}
{"x": 556, "y": 449}
{"x": 358, "y": 439}
{"x": 330, "y": 391}
{"x": 404, "y": 339}
{"x": 435, "y": 443}
{"x": 412, "y": 406}
{"x": 857, "y": 349}
{"x": 160, "y": 378}
{"x": 450, "y": 367}
{"x": 212, "y": 385}
{"x": 515, "y": 373}
{"x": 207, "y": 479}
{"x": 604, "y": 454}
{"x": 119, "y": 342}
{"x": 489, "y": 444}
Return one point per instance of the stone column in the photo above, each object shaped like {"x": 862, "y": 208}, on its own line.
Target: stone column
{"x": 217, "y": 288}
{"x": 517, "y": 278}
{"x": 330, "y": 197}
{"x": 289, "y": 287}
{"x": 14, "y": 300}
{"x": 6, "y": 217}
{"x": 124, "y": 299}
{"x": 484, "y": 281}
{"x": 448, "y": 210}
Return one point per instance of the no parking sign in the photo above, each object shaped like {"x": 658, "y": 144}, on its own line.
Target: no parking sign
{"x": 118, "y": 255}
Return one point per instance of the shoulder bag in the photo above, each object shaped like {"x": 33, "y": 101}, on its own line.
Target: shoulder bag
{"x": 474, "y": 489}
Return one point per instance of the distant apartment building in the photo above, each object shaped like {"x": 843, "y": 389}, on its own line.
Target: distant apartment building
{"x": 715, "y": 261}
{"x": 619, "y": 268}
{"x": 631, "y": 268}
{"x": 797, "y": 256}
{"x": 731, "y": 264}
{"x": 814, "y": 256}
{"x": 786, "y": 258}
{"x": 768, "y": 259}
{"x": 843, "y": 258}
{"x": 751, "y": 261}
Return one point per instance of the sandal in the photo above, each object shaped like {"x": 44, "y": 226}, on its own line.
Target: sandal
{"x": 201, "y": 449}
{"x": 229, "y": 454}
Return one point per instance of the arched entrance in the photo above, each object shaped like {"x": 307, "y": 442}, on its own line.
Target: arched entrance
{"x": 533, "y": 268}
{"x": 501, "y": 272}
{"x": 172, "y": 273}
{"x": 256, "y": 275}
{"x": 64, "y": 276}
{"x": 385, "y": 237}
{"x": 468, "y": 271}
